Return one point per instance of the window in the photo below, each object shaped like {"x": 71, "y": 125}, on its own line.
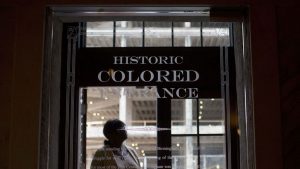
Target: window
{"x": 196, "y": 129}
{"x": 158, "y": 34}
{"x": 198, "y": 133}
{"x": 197, "y": 126}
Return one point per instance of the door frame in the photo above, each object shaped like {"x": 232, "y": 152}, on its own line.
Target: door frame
{"x": 49, "y": 147}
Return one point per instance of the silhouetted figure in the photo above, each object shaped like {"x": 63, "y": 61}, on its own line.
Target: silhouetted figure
{"x": 114, "y": 154}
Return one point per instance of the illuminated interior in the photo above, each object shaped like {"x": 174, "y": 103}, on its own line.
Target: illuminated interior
{"x": 137, "y": 106}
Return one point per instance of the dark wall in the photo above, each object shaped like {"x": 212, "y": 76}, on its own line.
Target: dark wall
{"x": 275, "y": 37}
{"x": 266, "y": 86}
{"x": 289, "y": 58}
{"x": 21, "y": 65}
{"x": 7, "y": 44}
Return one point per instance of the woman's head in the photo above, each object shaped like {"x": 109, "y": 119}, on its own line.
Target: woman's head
{"x": 114, "y": 131}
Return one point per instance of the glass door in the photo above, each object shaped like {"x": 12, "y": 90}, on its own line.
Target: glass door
{"x": 173, "y": 97}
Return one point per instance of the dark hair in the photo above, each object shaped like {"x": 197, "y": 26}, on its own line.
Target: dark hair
{"x": 111, "y": 126}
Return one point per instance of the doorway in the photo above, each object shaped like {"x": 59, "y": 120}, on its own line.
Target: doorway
{"x": 192, "y": 110}
{"x": 183, "y": 90}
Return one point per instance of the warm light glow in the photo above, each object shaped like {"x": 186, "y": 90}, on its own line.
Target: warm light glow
{"x": 91, "y": 102}
{"x": 218, "y": 166}
{"x": 177, "y": 144}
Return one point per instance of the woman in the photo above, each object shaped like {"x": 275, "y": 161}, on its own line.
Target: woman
{"x": 114, "y": 154}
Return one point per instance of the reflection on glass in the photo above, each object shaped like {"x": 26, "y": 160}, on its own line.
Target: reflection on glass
{"x": 158, "y": 34}
{"x": 215, "y": 34}
{"x": 210, "y": 141}
{"x": 184, "y": 152}
{"x": 211, "y": 123}
{"x": 135, "y": 107}
{"x": 99, "y": 34}
{"x": 184, "y": 116}
{"x": 212, "y": 152}
{"x": 211, "y": 116}
{"x": 187, "y": 34}
{"x": 129, "y": 34}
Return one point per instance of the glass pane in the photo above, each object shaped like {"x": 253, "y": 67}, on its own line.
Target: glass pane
{"x": 187, "y": 34}
{"x": 212, "y": 152}
{"x": 211, "y": 116}
{"x": 184, "y": 116}
{"x": 135, "y": 107}
{"x": 129, "y": 34}
{"x": 216, "y": 34}
{"x": 158, "y": 34}
{"x": 99, "y": 34}
{"x": 184, "y": 153}
{"x": 211, "y": 120}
